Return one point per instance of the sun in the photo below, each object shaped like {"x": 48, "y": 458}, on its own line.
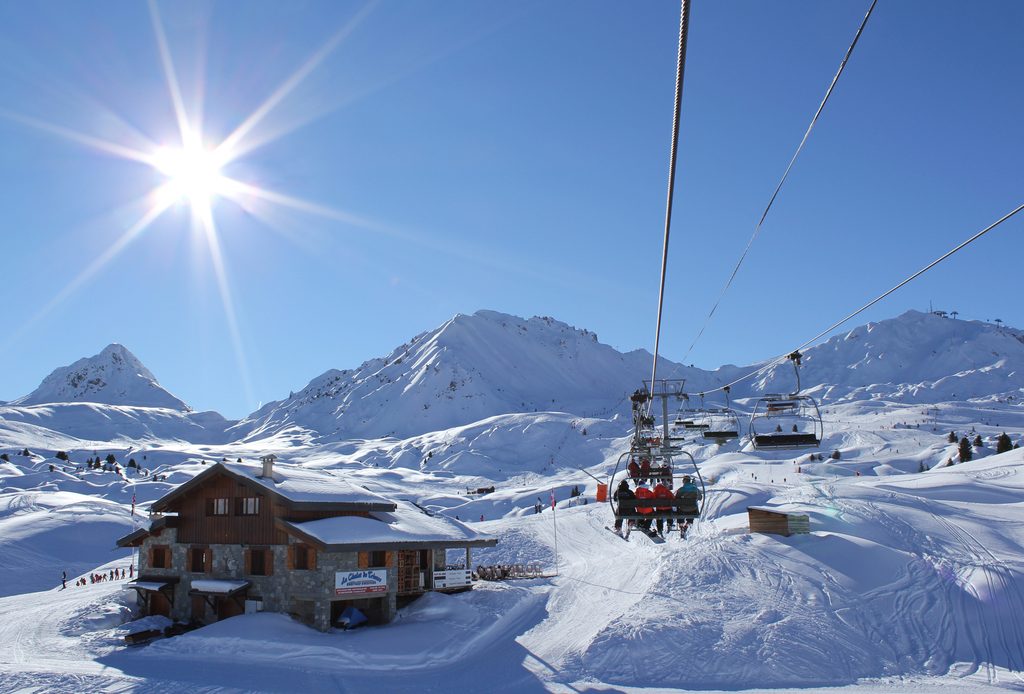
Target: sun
{"x": 193, "y": 174}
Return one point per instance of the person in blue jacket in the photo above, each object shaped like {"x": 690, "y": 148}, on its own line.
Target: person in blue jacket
{"x": 688, "y": 496}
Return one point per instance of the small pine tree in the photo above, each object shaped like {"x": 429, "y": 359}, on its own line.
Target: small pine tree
{"x": 835, "y": 455}
{"x": 111, "y": 459}
{"x": 952, "y": 437}
{"x": 1003, "y": 443}
{"x": 132, "y": 463}
{"x": 26, "y": 453}
{"x": 978, "y": 443}
{"x": 5, "y": 457}
{"x": 965, "y": 450}
{"x": 61, "y": 455}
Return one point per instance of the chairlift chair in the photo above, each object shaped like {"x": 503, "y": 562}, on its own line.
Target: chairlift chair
{"x": 629, "y": 510}
{"x": 792, "y": 421}
{"x": 720, "y": 423}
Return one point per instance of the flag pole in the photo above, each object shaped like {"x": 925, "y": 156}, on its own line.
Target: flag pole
{"x": 554, "y": 521}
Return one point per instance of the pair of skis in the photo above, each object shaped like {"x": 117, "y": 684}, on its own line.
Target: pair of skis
{"x": 653, "y": 535}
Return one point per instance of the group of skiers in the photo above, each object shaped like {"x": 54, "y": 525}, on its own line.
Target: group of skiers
{"x": 683, "y": 502}
{"x": 112, "y": 575}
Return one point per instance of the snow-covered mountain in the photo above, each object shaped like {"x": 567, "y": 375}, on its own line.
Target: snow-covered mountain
{"x": 112, "y": 377}
{"x": 478, "y": 366}
{"x": 916, "y": 357}
{"x": 472, "y": 367}
{"x": 105, "y": 398}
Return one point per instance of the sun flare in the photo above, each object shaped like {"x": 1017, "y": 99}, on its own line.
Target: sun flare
{"x": 193, "y": 173}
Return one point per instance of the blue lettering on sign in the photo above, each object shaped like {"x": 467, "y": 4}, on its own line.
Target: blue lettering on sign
{"x": 373, "y": 580}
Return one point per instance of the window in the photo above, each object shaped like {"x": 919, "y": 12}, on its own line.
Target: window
{"x": 247, "y": 506}
{"x": 378, "y": 558}
{"x": 261, "y": 562}
{"x": 198, "y": 558}
{"x": 304, "y": 557}
{"x": 161, "y": 558}
{"x": 216, "y": 507}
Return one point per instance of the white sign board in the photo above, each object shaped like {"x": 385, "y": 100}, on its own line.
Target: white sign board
{"x": 360, "y": 582}
{"x": 452, "y": 578}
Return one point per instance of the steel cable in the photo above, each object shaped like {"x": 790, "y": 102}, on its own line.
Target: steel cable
{"x": 785, "y": 175}
{"x": 684, "y": 22}
{"x": 865, "y": 307}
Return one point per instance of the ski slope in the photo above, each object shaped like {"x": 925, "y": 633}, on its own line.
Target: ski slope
{"x": 918, "y": 576}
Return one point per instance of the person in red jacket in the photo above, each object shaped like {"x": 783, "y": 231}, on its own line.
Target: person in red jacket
{"x": 642, "y": 493}
{"x": 645, "y": 470}
{"x": 634, "y": 469}
{"x": 663, "y": 492}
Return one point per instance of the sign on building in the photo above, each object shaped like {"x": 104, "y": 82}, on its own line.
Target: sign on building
{"x": 359, "y": 582}
{"x": 452, "y": 578}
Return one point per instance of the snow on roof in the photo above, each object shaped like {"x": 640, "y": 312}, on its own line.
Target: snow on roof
{"x": 145, "y": 585}
{"x": 219, "y": 587}
{"x": 312, "y": 486}
{"x": 408, "y": 524}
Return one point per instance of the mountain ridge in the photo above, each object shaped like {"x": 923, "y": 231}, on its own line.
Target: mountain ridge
{"x": 477, "y": 366}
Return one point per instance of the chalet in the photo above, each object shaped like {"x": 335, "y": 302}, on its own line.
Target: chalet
{"x": 241, "y": 538}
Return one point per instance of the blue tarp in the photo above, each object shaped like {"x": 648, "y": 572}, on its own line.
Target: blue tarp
{"x": 351, "y": 617}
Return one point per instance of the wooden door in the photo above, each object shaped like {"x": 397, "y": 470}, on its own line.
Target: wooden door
{"x": 159, "y": 604}
{"x": 408, "y": 571}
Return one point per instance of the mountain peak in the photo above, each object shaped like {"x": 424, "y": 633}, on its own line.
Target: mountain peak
{"x": 115, "y": 376}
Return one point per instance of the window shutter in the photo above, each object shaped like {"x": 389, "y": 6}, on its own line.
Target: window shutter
{"x": 149, "y": 558}
{"x": 387, "y": 559}
{"x": 248, "y": 562}
{"x": 364, "y": 560}
{"x": 209, "y": 507}
{"x": 268, "y": 562}
{"x": 311, "y": 558}
{"x": 238, "y": 505}
{"x": 208, "y": 560}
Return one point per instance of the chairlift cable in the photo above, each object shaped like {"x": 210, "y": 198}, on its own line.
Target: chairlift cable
{"x": 874, "y": 301}
{"x": 684, "y": 23}
{"x": 785, "y": 175}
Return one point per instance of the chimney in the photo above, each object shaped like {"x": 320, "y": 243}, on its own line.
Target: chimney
{"x": 268, "y": 466}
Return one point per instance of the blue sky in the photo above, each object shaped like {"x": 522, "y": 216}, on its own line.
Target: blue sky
{"x": 509, "y": 156}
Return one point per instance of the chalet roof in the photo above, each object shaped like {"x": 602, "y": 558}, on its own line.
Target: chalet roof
{"x": 407, "y": 527}
{"x": 298, "y": 487}
{"x": 135, "y": 538}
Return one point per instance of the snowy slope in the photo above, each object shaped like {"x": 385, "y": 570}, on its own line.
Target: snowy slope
{"x": 908, "y": 584}
{"x": 85, "y": 424}
{"x": 112, "y": 377}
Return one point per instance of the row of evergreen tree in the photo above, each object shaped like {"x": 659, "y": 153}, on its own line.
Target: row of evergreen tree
{"x": 966, "y": 446}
